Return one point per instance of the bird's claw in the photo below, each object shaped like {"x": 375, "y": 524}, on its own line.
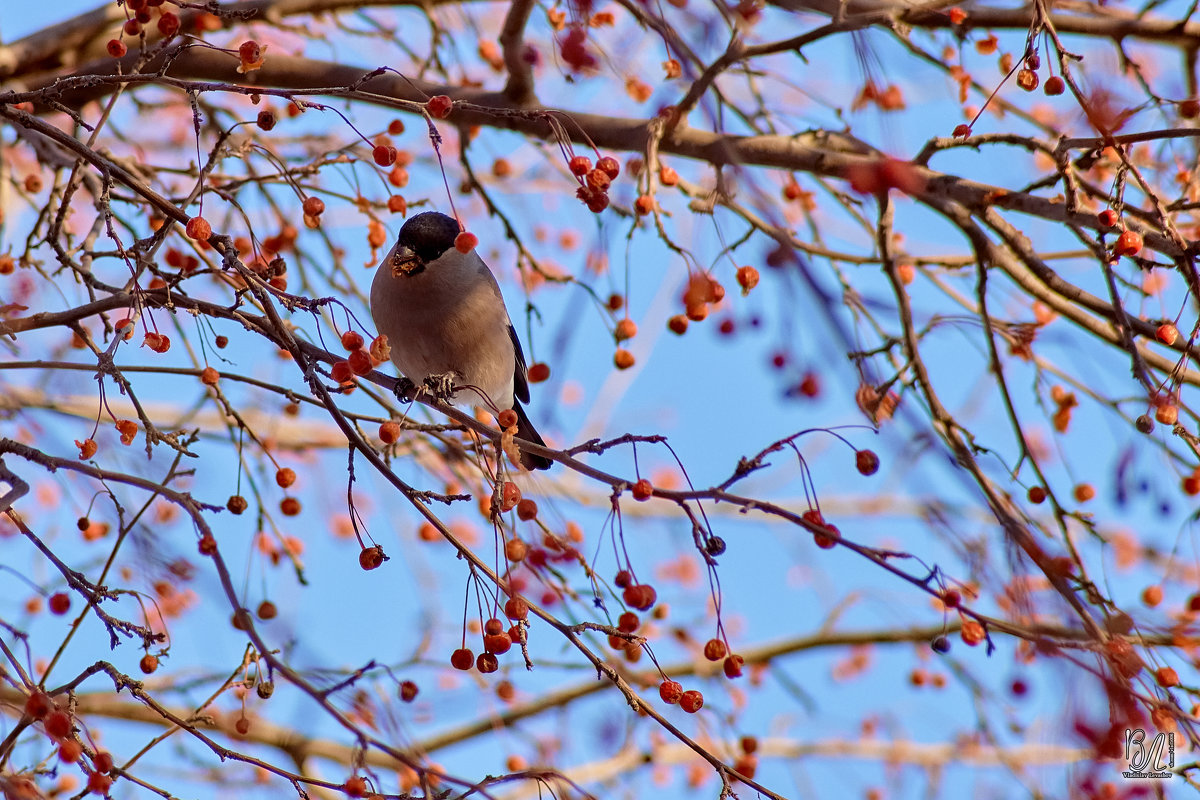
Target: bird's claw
{"x": 405, "y": 390}
{"x": 440, "y": 386}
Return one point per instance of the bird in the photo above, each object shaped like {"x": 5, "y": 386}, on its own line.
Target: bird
{"x": 447, "y": 325}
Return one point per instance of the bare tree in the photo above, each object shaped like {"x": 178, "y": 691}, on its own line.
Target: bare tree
{"x": 958, "y": 243}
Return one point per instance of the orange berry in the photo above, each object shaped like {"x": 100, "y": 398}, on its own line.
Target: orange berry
{"x": 643, "y": 205}
{"x": 355, "y": 786}
{"x": 515, "y": 550}
{"x": 667, "y": 176}
{"x": 1167, "y": 413}
{"x": 626, "y": 329}
{"x": 972, "y": 632}
{"x": 209, "y": 376}
{"x": 1167, "y": 333}
{"x": 1084, "y": 492}
{"x": 148, "y": 664}
{"x": 642, "y": 490}
{"x": 507, "y": 418}
{"x": 1152, "y": 596}
{"x": 285, "y": 477}
{"x": 623, "y": 359}
{"x": 747, "y": 278}
{"x": 1166, "y": 677}
{"x": 389, "y": 432}
{"x": 360, "y": 362}
{"x": 198, "y": 228}
{"x": 87, "y": 448}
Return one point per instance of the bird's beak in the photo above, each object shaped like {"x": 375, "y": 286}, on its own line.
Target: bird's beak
{"x": 405, "y": 262}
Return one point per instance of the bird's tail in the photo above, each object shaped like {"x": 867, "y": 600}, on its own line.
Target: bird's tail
{"x": 526, "y": 431}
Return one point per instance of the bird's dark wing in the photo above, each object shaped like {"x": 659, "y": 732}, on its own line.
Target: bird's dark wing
{"x": 520, "y": 384}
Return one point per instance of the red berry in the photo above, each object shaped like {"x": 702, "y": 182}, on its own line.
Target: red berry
{"x": 103, "y": 762}
{"x": 60, "y": 603}
{"x": 209, "y": 376}
{"x": 538, "y": 372}
{"x": 670, "y": 692}
{"x": 370, "y": 558}
{"x": 1054, "y": 85}
{"x": 516, "y": 608}
{"x": 626, "y": 329}
{"x": 250, "y": 52}
{"x": 341, "y": 372}
{"x": 314, "y": 207}
{"x": 668, "y": 176}
{"x": 465, "y": 242}
{"x": 643, "y": 205}
{"x": 69, "y": 751}
{"x": 1108, "y": 218}
{"x": 714, "y": 650}
{"x": 628, "y": 622}
{"x": 643, "y": 490}
{"x": 351, "y": 340}
{"x": 527, "y": 509}
{"x": 962, "y": 130}
{"x": 132, "y": 27}
{"x": 99, "y": 783}
{"x": 355, "y": 786}
{"x": 408, "y": 691}
{"x": 507, "y": 418}
{"x": 487, "y": 663}
{"x": 58, "y": 724}
{"x": 38, "y": 705}
{"x": 623, "y": 359}
{"x": 1190, "y": 108}
{"x": 389, "y": 432}
{"x": 691, "y": 701}
{"x": 462, "y": 658}
{"x": 168, "y": 24}
{"x": 1167, "y": 333}
{"x": 580, "y": 165}
{"x": 360, "y": 362}
{"x": 972, "y": 632}
{"x": 116, "y": 48}
{"x": 384, "y": 155}
{"x": 623, "y": 579}
{"x": 207, "y": 545}
{"x": 1129, "y": 243}
{"x": 866, "y": 462}
{"x": 440, "y": 106}
{"x": 609, "y": 166}
{"x": 497, "y": 644}
{"x": 733, "y": 666}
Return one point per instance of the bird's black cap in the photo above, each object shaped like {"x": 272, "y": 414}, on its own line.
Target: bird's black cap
{"x": 429, "y": 234}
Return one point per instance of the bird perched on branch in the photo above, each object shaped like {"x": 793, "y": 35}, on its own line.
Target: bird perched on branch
{"x": 442, "y": 311}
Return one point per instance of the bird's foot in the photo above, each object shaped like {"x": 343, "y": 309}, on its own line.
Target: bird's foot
{"x": 441, "y": 386}
{"x": 405, "y": 390}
